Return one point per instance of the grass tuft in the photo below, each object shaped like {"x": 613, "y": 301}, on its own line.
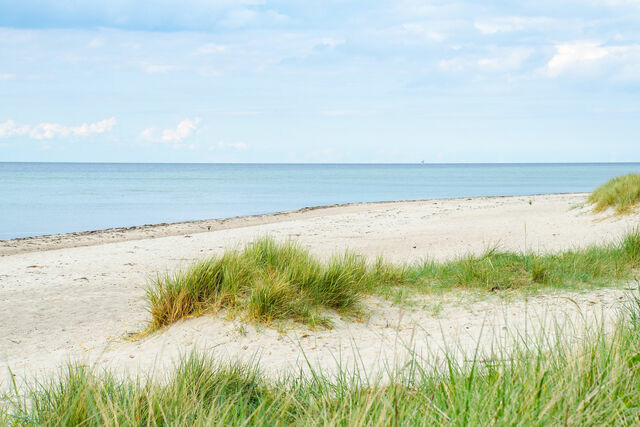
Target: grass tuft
{"x": 267, "y": 281}
{"x": 621, "y": 193}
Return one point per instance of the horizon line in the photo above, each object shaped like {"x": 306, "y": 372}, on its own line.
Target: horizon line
{"x": 322, "y": 163}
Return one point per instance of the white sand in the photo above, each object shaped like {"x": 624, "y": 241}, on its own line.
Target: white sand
{"x": 76, "y": 296}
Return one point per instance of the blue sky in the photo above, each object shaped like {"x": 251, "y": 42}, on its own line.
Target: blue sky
{"x": 320, "y": 81}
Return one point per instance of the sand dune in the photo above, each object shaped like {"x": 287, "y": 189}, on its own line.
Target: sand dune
{"x": 77, "y": 296}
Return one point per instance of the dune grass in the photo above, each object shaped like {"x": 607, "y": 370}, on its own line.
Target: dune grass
{"x": 595, "y": 265}
{"x": 621, "y": 193}
{"x": 269, "y": 281}
{"x": 594, "y": 381}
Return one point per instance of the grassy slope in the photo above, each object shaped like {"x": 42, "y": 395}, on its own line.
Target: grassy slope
{"x": 495, "y": 270}
{"x": 621, "y": 193}
{"x": 597, "y": 383}
{"x": 268, "y": 281}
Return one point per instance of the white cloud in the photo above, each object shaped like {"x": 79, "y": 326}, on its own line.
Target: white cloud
{"x": 184, "y": 130}
{"x": 176, "y": 135}
{"x": 7, "y": 76}
{"x": 147, "y": 134}
{"x": 570, "y": 55}
{"x": 9, "y": 128}
{"x": 586, "y": 57}
{"x": 92, "y": 128}
{"x": 53, "y": 130}
{"x": 507, "y": 24}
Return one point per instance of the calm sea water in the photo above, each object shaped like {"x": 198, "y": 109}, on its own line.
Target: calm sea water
{"x": 49, "y": 198}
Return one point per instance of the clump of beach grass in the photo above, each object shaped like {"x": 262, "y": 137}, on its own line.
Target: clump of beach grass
{"x": 591, "y": 381}
{"x": 621, "y": 193}
{"x": 269, "y": 281}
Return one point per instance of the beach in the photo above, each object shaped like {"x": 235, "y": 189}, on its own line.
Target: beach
{"x": 79, "y": 296}
{"x": 301, "y": 213}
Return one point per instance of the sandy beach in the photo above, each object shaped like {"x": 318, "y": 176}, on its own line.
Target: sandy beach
{"x": 78, "y": 296}
{"x": 310, "y": 213}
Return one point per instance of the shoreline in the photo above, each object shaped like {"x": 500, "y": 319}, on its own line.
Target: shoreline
{"x": 151, "y": 231}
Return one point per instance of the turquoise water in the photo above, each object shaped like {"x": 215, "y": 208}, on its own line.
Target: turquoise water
{"x": 50, "y": 198}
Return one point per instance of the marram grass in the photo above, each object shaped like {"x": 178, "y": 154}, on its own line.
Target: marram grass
{"x": 594, "y": 381}
{"x": 596, "y": 265}
{"x": 621, "y": 193}
{"x": 269, "y": 281}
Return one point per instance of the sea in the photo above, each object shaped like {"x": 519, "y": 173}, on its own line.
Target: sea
{"x": 51, "y": 198}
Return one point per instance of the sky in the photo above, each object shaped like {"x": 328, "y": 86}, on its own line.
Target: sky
{"x": 320, "y": 81}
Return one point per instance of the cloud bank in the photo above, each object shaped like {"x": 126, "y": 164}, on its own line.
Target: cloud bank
{"x": 584, "y": 57}
{"x": 54, "y": 130}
